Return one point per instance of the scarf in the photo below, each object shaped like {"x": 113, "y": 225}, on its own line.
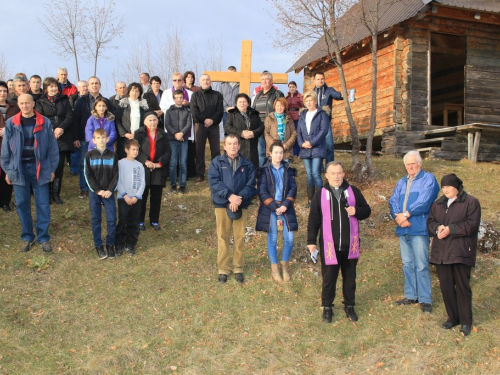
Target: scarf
{"x": 281, "y": 125}
{"x": 247, "y": 119}
{"x": 327, "y": 211}
{"x": 52, "y": 100}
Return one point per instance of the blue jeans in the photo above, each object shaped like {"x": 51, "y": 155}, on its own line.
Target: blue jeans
{"x": 75, "y": 161}
{"x": 272, "y": 240}
{"x": 329, "y": 145}
{"x": 96, "y": 219}
{"x": 23, "y": 204}
{"x": 261, "y": 147}
{"x": 179, "y": 156}
{"x": 415, "y": 257}
{"x": 84, "y": 147}
{"x": 313, "y": 171}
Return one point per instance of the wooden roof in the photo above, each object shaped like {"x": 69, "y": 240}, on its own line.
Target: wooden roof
{"x": 392, "y": 13}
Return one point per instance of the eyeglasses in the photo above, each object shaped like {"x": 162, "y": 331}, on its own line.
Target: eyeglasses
{"x": 177, "y": 80}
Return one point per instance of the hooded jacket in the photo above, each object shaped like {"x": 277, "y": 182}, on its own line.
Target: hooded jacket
{"x": 93, "y": 124}
{"x": 463, "y": 217}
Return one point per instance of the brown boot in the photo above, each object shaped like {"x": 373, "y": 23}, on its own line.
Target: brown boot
{"x": 286, "y": 274}
{"x": 275, "y": 273}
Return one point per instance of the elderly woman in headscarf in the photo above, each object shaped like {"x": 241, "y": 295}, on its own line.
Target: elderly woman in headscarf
{"x": 454, "y": 225}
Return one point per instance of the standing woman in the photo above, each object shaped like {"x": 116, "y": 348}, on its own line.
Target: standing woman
{"x": 100, "y": 117}
{"x": 129, "y": 117}
{"x": 295, "y": 103}
{"x": 57, "y": 108}
{"x": 154, "y": 153}
{"x": 311, "y": 135}
{"x": 189, "y": 80}
{"x": 277, "y": 191}
{"x": 7, "y": 110}
{"x": 244, "y": 122}
{"x": 454, "y": 224}
{"x": 278, "y": 126}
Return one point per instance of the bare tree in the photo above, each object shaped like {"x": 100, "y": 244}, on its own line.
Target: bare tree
{"x": 64, "y": 22}
{"x": 103, "y": 28}
{"x": 4, "y": 68}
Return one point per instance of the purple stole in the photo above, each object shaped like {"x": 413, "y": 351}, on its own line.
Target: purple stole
{"x": 328, "y": 245}
{"x": 186, "y": 96}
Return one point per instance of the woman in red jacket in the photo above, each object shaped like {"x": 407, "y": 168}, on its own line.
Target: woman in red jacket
{"x": 295, "y": 103}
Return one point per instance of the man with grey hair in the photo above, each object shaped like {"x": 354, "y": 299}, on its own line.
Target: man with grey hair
{"x": 410, "y": 205}
{"x": 121, "y": 92}
{"x": 263, "y": 103}
{"x": 65, "y": 86}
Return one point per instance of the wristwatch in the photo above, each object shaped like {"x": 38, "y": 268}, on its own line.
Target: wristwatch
{"x": 405, "y": 214}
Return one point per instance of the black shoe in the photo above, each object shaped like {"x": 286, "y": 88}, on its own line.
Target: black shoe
{"x": 46, "y": 247}
{"x": 26, "y": 246}
{"x": 6, "y": 207}
{"x": 327, "y": 314}
{"x": 101, "y": 252}
{"x": 449, "y": 324}
{"x": 351, "y": 314}
{"x": 465, "y": 330}
{"x": 222, "y": 278}
{"x": 199, "y": 179}
{"x": 239, "y": 277}
{"x": 173, "y": 189}
{"x": 155, "y": 226}
{"x": 119, "y": 250}
{"x": 142, "y": 226}
{"x": 57, "y": 199}
{"x": 130, "y": 249}
{"x": 406, "y": 301}
{"x": 426, "y": 307}
{"x": 111, "y": 251}
{"x": 182, "y": 189}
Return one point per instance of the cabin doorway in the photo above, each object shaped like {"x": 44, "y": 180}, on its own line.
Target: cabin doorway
{"x": 447, "y": 79}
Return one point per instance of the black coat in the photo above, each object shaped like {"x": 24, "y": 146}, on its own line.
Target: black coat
{"x": 178, "y": 119}
{"x": 150, "y": 97}
{"x": 235, "y": 124}
{"x": 315, "y": 221}
{"x": 156, "y": 176}
{"x": 463, "y": 218}
{"x": 82, "y": 113}
{"x": 122, "y": 116}
{"x": 207, "y": 104}
{"x": 61, "y": 116}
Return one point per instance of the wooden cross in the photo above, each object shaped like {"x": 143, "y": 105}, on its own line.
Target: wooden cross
{"x": 245, "y": 76}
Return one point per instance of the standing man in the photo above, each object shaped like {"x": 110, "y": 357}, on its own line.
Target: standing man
{"x": 65, "y": 86}
{"x": 29, "y": 158}
{"x": 263, "y": 103}
{"x": 144, "y": 77}
{"x": 410, "y": 205}
{"x": 167, "y": 97}
{"x": 326, "y": 96}
{"x": 121, "y": 92}
{"x": 207, "y": 110}
{"x": 80, "y": 116}
{"x": 232, "y": 185}
{"x": 20, "y": 87}
{"x": 229, "y": 90}
{"x": 336, "y": 210}
{"x": 35, "y": 87}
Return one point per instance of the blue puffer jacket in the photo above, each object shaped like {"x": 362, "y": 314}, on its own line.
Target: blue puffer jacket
{"x": 46, "y": 150}
{"x": 317, "y": 135}
{"x": 267, "y": 190}
{"x": 223, "y": 182}
{"x": 423, "y": 192}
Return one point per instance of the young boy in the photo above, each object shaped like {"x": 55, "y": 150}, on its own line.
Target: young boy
{"x": 178, "y": 122}
{"x": 101, "y": 174}
{"x": 131, "y": 183}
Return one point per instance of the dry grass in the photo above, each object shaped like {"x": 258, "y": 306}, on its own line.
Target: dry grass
{"x": 162, "y": 311}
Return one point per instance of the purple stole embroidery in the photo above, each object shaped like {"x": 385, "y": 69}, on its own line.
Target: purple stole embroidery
{"x": 328, "y": 245}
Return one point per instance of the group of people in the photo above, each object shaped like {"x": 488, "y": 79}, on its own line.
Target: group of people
{"x": 133, "y": 141}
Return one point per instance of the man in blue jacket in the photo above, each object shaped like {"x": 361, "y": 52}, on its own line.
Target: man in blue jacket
{"x": 326, "y": 96}
{"x": 410, "y": 206}
{"x": 30, "y": 156}
{"x": 232, "y": 183}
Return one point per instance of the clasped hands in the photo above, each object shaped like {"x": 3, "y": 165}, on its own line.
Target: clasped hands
{"x": 105, "y": 194}
{"x": 443, "y": 232}
{"x": 234, "y": 202}
{"x": 402, "y": 220}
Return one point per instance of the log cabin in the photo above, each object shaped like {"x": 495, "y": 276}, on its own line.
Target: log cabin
{"x": 438, "y": 78}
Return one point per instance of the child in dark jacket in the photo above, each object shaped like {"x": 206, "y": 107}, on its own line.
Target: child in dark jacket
{"x": 178, "y": 123}
{"x": 101, "y": 174}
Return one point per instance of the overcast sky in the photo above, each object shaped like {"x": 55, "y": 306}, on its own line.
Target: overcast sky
{"x": 27, "y": 48}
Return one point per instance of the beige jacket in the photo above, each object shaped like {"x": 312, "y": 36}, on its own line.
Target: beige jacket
{"x": 271, "y": 134}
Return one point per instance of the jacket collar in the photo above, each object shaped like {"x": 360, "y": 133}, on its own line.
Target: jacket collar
{"x": 16, "y": 120}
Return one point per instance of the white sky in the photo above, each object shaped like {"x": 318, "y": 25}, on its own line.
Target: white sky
{"x": 27, "y": 48}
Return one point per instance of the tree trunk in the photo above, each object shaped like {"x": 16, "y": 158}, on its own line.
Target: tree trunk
{"x": 76, "y": 66}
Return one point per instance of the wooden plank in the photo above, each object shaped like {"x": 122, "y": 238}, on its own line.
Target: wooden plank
{"x": 475, "y": 147}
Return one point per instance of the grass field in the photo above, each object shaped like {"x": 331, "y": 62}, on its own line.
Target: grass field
{"x": 162, "y": 311}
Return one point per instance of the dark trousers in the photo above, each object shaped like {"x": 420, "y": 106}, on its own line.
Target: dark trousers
{"x": 129, "y": 217}
{"x": 5, "y": 190}
{"x": 330, "y": 275}
{"x": 60, "y": 167}
{"x": 96, "y": 203}
{"x": 154, "y": 203}
{"x": 201, "y": 135}
{"x": 120, "y": 147}
{"x": 191, "y": 159}
{"x": 454, "y": 280}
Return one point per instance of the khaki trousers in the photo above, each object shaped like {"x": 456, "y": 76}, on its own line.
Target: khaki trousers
{"x": 224, "y": 225}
